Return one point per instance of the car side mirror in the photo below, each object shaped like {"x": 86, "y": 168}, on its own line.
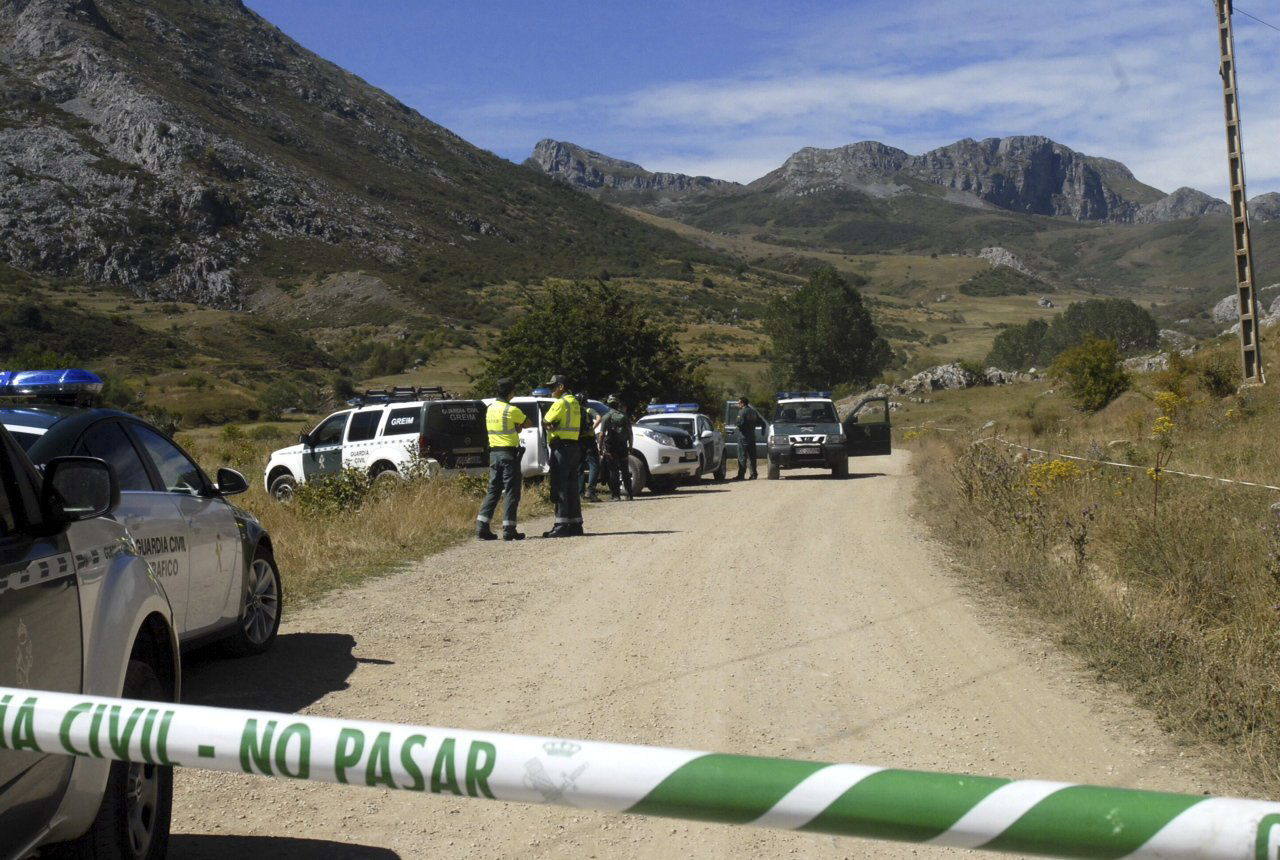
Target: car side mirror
{"x": 305, "y": 439}
{"x": 78, "y": 488}
{"x": 230, "y": 482}
{"x": 707, "y": 434}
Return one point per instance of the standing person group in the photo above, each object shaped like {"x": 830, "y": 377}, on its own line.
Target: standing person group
{"x": 577, "y": 435}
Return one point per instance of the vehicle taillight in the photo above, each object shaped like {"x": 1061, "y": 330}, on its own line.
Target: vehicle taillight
{"x": 424, "y": 449}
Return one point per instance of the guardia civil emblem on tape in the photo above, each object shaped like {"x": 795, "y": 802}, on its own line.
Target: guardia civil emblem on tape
{"x": 1024, "y": 816}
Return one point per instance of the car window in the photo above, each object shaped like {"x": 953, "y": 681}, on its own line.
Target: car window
{"x": 364, "y": 425}
{"x": 24, "y": 438}
{"x": 685, "y": 424}
{"x": 109, "y": 442}
{"x": 403, "y": 421}
{"x": 177, "y": 472}
{"x": 805, "y": 413}
{"x": 330, "y": 430}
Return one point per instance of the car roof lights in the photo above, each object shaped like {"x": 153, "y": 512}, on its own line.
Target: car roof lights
{"x": 658, "y": 408}
{"x": 801, "y": 395}
{"x": 540, "y": 392}
{"x": 70, "y": 385}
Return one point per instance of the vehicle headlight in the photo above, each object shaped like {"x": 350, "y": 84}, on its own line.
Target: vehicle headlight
{"x": 777, "y": 440}
{"x": 837, "y": 438}
{"x": 660, "y": 438}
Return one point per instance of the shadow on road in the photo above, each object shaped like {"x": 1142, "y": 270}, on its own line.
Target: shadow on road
{"x": 196, "y": 847}
{"x": 613, "y": 534}
{"x": 852, "y": 476}
{"x": 299, "y": 669}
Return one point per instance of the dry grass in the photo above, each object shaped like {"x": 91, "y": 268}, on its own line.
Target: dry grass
{"x": 1178, "y": 603}
{"x": 320, "y": 552}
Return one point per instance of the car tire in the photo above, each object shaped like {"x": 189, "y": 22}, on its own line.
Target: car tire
{"x": 773, "y": 472}
{"x": 719, "y": 474}
{"x": 283, "y": 487}
{"x": 264, "y": 605}
{"x": 133, "y": 820}
{"x": 639, "y": 475}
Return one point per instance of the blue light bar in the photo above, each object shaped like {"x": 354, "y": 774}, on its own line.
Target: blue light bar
{"x": 541, "y": 392}
{"x": 655, "y": 408}
{"x": 800, "y": 395}
{"x": 49, "y": 382}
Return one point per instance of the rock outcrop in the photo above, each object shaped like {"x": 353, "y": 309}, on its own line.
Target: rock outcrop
{"x": 1183, "y": 203}
{"x": 1264, "y": 207}
{"x": 997, "y": 256}
{"x": 175, "y": 148}
{"x": 592, "y": 171}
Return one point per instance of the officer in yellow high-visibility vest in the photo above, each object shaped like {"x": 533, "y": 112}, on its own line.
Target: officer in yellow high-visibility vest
{"x": 504, "y": 423}
{"x": 564, "y": 424}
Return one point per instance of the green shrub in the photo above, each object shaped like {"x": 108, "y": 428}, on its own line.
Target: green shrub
{"x": 1092, "y": 373}
{"x": 1219, "y": 373}
{"x": 327, "y": 495}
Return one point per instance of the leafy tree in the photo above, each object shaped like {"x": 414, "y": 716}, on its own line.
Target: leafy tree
{"x": 1019, "y": 346}
{"x": 1035, "y": 342}
{"x": 603, "y": 340}
{"x": 1092, "y": 372}
{"x": 1119, "y": 320}
{"x": 823, "y": 335}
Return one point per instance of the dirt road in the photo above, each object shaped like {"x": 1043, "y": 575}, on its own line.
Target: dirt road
{"x": 806, "y": 618}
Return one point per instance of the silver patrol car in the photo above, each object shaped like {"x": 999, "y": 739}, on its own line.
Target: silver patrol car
{"x": 708, "y": 441}
{"x": 383, "y": 433}
{"x": 215, "y": 561}
{"x": 80, "y": 612}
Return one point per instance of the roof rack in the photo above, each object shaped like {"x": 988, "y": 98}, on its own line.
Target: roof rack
{"x": 400, "y": 394}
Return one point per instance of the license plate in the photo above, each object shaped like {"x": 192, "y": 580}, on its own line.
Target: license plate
{"x": 472, "y": 460}
{"x": 688, "y": 458}
{"x": 808, "y": 451}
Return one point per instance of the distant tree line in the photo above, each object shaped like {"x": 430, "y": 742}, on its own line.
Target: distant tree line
{"x": 1037, "y": 343}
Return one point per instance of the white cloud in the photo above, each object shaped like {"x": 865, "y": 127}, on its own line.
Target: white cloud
{"x": 1135, "y": 82}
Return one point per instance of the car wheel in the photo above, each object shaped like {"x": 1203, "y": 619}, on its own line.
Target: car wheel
{"x": 133, "y": 820}
{"x": 263, "y": 604}
{"x": 639, "y": 475}
{"x": 283, "y": 488}
{"x": 773, "y": 472}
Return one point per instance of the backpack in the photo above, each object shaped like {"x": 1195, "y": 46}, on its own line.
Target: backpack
{"x": 615, "y": 432}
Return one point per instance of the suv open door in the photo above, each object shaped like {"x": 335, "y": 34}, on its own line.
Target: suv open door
{"x": 867, "y": 429}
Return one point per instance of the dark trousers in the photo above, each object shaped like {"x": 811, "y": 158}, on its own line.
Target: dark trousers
{"x": 747, "y": 456}
{"x": 566, "y": 463}
{"x": 504, "y": 479}
{"x": 590, "y": 459}
{"x": 617, "y": 470}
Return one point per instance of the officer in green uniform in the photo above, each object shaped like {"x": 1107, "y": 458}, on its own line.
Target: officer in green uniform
{"x": 615, "y": 445}
{"x": 504, "y": 423}
{"x": 563, "y": 421}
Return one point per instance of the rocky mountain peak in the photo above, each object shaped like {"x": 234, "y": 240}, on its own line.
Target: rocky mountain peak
{"x": 868, "y": 166}
{"x": 1182, "y": 203}
{"x": 592, "y": 171}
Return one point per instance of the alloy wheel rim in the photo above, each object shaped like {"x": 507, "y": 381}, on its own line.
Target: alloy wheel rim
{"x": 263, "y": 605}
{"x": 142, "y": 799}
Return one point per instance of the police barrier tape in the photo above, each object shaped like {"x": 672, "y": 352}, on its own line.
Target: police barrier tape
{"x": 1027, "y": 816}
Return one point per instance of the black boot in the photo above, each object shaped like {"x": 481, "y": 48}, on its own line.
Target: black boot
{"x": 555, "y": 531}
{"x": 510, "y": 533}
{"x": 483, "y": 532}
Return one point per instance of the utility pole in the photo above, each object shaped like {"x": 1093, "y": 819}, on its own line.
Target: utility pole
{"x": 1246, "y": 291}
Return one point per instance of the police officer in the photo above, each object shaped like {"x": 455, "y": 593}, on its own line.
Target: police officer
{"x": 504, "y": 423}
{"x": 590, "y": 451}
{"x": 615, "y": 446}
{"x": 748, "y": 420}
{"x": 563, "y": 421}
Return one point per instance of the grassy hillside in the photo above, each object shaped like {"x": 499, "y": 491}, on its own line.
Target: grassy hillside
{"x": 1163, "y": 584}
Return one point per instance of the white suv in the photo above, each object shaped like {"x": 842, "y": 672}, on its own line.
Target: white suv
{"x": 383, "y": 434}
{"x": 708, "y": 441}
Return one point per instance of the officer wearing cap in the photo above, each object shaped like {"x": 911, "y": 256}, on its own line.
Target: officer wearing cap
{"x": 504, "y": 423}
{"x": 615, "y": 445}
{"x": 563, "y": 421}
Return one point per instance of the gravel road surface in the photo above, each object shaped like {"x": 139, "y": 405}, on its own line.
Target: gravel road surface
{"x": 804, "y": 617}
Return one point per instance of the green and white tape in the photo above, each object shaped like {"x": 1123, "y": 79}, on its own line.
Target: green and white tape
{"x": 1026, "y": 816}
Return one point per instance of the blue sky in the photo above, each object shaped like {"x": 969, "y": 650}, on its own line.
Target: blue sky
{"x": 730, "y": 89}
